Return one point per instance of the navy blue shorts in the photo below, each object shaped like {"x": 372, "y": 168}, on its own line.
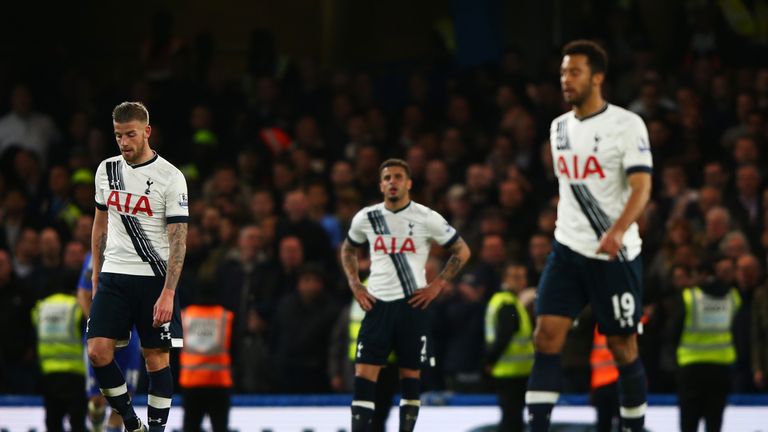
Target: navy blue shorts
{"x": 394, "y": 325}
{"x": 614, "y": 288}
{"x": 123, "y": 301}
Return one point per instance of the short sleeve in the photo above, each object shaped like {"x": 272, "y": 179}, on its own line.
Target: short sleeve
{"x": 177, "y": 200}
{"x": 356, "y": 233}
{"x": 101, "y": 202}
{"x": 440, "y": 230}
{"x": 85, "y": 283}
{"x": 637, "y": 148}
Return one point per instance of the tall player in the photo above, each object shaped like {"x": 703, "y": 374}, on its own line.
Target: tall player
{"x": 138, "y": 243}
{"x": 400, "y": 233}
{"x": 603, "y": 164}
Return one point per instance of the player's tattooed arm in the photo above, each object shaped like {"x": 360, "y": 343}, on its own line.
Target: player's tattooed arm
{"x": 459, "y": 256}
{"x": 177, "y": 244}
{"x": 351, "y": 268}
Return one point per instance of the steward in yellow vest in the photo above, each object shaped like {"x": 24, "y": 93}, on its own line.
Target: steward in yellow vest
{"x": 59, "y": 327}
{"x": 705, "y": 352}
{"x": 509, "y": 347}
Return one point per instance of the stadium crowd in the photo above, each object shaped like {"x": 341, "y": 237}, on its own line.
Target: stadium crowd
{"x": 279, "y": 158}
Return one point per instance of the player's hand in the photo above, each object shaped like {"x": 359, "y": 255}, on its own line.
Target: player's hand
{"x": 611, "y": 242}
{"x": 163, "y": 309}
{"x": 423, "y": 297}
{"x": 363, "y": 297}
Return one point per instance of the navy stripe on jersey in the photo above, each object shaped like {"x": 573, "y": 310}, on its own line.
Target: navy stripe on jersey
{"x": 403, "y": 269}
{"x": 404, "y": 273}
{"x": 101, "y": 207}
{"x": 142, "y": 246}
{"x": 176, "y": 219}
{"x": 151, "y": 252}
{"x": 110, "y": 169}
{"x": 598, "y": 219}
{"x": 561, "y": 139}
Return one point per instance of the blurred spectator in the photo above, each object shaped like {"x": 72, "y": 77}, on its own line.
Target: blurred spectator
{"x": 539, "y": 247}
{"x": 519, "y": 211}
{"x": 27, "y": 129}
{"x": 26, "y": 253}
{"x": 17, "y": 354}
{"x": 759, "y": 337}
{"x": 15, "y": 217}
{"x": 718, "y": 224}
{"x": 302, "y": 323}
{"x": 749, "y": 277}
{"x": 319, "y": 204}
{"x": 316, "y": 243}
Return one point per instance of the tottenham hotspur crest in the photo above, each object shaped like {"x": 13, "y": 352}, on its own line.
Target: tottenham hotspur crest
{"x": 149, "y": 184}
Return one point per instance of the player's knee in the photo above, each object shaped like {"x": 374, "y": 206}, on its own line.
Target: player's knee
{"x": 623, "y": 348}
{"x": 156, "y": 359}
{"x": 547, "y": 339}
{"x": 99, "y": 354}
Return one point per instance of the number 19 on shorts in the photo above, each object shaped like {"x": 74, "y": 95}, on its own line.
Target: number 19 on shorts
{"x": 624, "y": 309}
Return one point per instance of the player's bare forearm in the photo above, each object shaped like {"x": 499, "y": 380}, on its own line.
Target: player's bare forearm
{"x": 177, "y": 244}
{"x": 640, "y": 184}
{"x": 351, "y": 267}
{"x": 84, "y": 300}
{"x": 460, "y": 254}
{"x": 98, "y": 245}
{"x": 349, "y": 263}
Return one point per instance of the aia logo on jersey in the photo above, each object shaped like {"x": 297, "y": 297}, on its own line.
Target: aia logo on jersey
{"x": 394, "y": 245}
{"x": 129, "y": 204}
{"x": 575, "y": 169}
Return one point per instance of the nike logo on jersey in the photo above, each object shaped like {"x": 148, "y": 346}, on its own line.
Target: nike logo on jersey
{"x": 394, "y": 246}
{"x": 578, "y": 170}
{"x": 129, "y": 204}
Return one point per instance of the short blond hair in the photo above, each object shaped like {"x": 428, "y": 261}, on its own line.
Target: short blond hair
{"x": 129, "y": 111}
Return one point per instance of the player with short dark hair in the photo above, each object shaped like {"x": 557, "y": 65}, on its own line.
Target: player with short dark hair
{"x": 138, "y": 243}
{"x": 399, "y": 233}
{"x": 602, "y": 159}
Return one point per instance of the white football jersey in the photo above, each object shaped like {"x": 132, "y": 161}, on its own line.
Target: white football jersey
{"x": 140, "y": 200}
{"x": 399, "y": 244}
{"x": 592, "y": 158}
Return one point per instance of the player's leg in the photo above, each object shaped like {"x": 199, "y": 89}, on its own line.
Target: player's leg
{"x": 364, "y": 396}
{"x": 411, "y": 345}
{"x": 374, "y": 342}
{"x": 560, "y": 298}
{"x": 156, "y": 343}
{"x": 110, "y": 319}
{"x": 160, "y": 387}
{"x": 616, "y": 298}
{"x": 130, "y": 361}
{"x": 386, "y": 387}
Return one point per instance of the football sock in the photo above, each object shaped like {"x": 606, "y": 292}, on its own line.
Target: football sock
{"x": 409, "y": 404}
{"x": 159, "y": 399}
{"x": 543, "y": 390}
{"x": 633, "y": 391}
{"x": 362, "y": 404}
{"x": 113, "y": 387}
